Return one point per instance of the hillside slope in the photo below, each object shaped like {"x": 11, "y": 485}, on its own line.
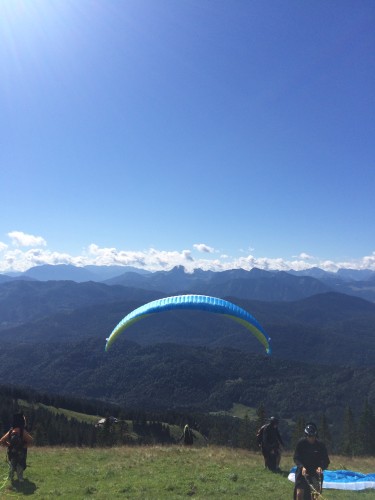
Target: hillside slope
{"x": 167, "y": 376}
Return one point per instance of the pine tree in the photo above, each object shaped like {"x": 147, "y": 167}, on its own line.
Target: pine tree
{"x": 261, "y": 416}
{"x": 246, "y": 439}
{"x": 325, "y": 433}
{"x": 349, "y": 444}
{"x": 366, "y": 434}
{"x": 123, "y": 429}
{"x": 298, "y": 431}
{"x": 39, "y": 435}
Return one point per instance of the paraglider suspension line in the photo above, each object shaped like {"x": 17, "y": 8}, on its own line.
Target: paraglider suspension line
{"x": 314, "y": 492}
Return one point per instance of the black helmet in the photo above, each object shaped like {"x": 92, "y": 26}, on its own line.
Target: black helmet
{"x": 18, "y": 420}
{"x": 274, "y": 420}
{"x": 311, "y": 430}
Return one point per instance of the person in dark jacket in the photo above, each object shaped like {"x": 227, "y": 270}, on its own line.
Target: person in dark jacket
{"x": 311, "y": 458}
{"x": 271, "y": 445}
{"x": 17, "y": 439}
{"x": 187, "y": 436}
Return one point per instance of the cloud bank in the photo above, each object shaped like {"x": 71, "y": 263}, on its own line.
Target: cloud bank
{"x": 24, "y": 251}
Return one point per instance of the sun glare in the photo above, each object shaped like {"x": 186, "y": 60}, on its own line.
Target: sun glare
{"x": 30, "y": 30}
{"x": 20, "y": 19}
{"x": 16, "y": 12}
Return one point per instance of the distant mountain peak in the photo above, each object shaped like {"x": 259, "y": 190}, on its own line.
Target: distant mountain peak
{"x": 178, "y": 270}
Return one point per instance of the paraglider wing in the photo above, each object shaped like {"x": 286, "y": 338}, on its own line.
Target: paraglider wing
{"x": 343, "y": 479}
{"x": 193, "y": 302}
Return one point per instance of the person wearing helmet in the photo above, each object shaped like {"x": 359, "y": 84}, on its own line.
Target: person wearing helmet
{"x": 271, "y": 445}
{"x": 311, "y": 458}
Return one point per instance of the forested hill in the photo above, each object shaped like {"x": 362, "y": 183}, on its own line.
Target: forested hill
{"x": 53, "y": 336}
{"x": 172, "y": 377}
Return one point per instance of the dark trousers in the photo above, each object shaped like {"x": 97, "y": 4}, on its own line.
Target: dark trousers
{"x": 270, "y": 457}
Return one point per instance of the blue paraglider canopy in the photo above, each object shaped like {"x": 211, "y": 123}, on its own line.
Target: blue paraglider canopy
{"x": 193, "y": 302}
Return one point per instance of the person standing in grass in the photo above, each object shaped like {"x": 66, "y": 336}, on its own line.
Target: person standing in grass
{"x": 17, "y": 439}
{"x": 187, "y": 436}
{"x": 311, "y": 458}
{"x": 271, "y": 445}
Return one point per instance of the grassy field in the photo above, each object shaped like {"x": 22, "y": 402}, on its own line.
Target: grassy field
{"x": 158, "y": 472}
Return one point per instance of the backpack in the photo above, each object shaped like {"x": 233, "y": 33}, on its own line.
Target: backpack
{"x": 259, "y": 435}
{"x": 15, "y": 447}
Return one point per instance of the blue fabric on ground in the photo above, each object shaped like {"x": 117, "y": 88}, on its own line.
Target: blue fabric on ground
{"x": 344, "y": 479}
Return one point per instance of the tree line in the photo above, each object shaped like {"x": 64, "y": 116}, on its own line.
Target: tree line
{"x": 352, "y": 435}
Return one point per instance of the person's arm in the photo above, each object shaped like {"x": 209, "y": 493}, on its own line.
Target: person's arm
{"x": 325, "y": 461}
{"x": 265, "y": 437}
{"x": 4, "y": 439}
{"x": 28, "y": 440}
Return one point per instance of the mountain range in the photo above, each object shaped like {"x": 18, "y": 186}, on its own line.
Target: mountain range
{"x": 254, "y": 284}
{"x": 53, "y": 334}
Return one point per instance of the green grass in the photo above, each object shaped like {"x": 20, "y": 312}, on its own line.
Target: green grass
{"x": 158, "y": 472}
{"x": 238, "y": 410}
{"x": 81, "y": 417}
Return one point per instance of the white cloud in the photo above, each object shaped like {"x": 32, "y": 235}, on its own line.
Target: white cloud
{"x": 151, "y": 259}
{"x": 21, "y": 239}
{"x": 329, "y": 265}
{"x": 16, "y": 258}
{"x": 304, "y": 256}
{"x": 19, "y": 260}
{"x": 369, "y": 261}
{"x": 201, "y": 247}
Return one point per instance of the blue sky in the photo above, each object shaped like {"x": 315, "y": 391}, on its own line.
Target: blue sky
{"x": 206, "y": 133}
